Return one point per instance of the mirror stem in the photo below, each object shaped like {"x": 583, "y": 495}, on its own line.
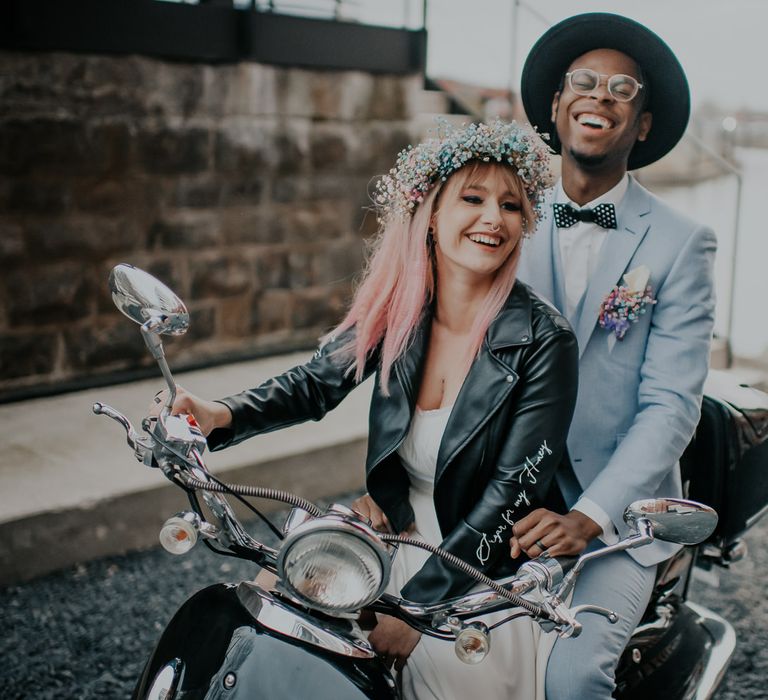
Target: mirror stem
{"x": 155, "y": 345}
{"x": 643, "y": 536}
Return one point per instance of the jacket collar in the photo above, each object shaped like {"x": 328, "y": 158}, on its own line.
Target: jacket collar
{"x": 512, "y": 326}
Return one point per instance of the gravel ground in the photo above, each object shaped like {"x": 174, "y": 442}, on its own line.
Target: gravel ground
{"x": 86, "y": 632}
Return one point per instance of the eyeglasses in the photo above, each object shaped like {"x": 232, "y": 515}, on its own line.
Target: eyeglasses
{"x": 621, "y": 87}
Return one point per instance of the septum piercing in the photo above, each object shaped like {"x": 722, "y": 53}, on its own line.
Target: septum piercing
{"x": 495, "y": 229}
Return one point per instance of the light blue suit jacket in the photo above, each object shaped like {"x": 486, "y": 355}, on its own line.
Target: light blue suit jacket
{"x": 639, "y": 398}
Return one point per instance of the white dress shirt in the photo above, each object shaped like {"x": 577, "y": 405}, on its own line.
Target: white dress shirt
{"x": 580, "y": 246}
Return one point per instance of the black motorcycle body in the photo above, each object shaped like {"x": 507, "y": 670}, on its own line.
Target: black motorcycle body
{"x": 217, "y": 648}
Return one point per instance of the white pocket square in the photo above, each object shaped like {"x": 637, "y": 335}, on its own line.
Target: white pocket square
{"x": 637, "y": 280}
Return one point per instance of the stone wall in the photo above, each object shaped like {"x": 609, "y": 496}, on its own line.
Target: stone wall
{"x": 244, "y": 187}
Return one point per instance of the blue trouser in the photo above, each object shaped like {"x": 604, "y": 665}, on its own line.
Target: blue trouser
{"x": 583, "y": 668}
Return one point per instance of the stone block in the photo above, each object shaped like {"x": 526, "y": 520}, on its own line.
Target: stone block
{"x": 292, "y": 145}
{"x": 247, "y": 225}
{"x": 378, "y": 144}
{"x": 300, "y": 268}
{"x": 339, "y": 261}
{"x": 329, "y": 186}
{"x": 316, "y": 221}
{"x": 245, "y": 146}
{"x": 202, "y": 323}
{"x": 186, "y": 229}
{"x": 292, "y": 188}
{"x": 114, "y": 196}
{"x": 27, "y": 354}
{"x": 245, "y": 89}
{"x": 220, "y": 275}
{"x": 193, "y": 191}
{"x": 38, "y": 196}
{"x": 271, "y": 269}
{"x": 390, "y": 99}
{"x": 54, "y": 293}
{"x": 357, "y": 92}
{"x": 326, "y": 89}
{"x": 59, "y": 147}
{"x": 293, "y": 92}
{"x": 112, "y": 342}
{"x": 234, "y": 316}
{"x": 12, "y": 241}
{"x": 78, "y": 236}
{"x": 242, "y": 189}
{"x": 174, "y": 151}
{"x": 170, "y": 90}
{"x": 329, "y": 150}
{"x": 319, "y": 307}
{"x": 273, "y": 311}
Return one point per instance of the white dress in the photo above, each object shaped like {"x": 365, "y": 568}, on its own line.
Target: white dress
{"x": 433, "y": 671}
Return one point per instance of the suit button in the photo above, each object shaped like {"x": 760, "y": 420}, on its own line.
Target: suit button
{"x": 510, "y": 379}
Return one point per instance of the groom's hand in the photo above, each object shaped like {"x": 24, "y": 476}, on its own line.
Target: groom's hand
{"x": 558, "y": 535}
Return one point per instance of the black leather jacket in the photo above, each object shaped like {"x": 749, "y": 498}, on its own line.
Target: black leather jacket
{"x": 502, "y": 444}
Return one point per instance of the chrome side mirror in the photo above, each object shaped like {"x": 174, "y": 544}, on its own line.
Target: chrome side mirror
{"x": 674, "y": 519}
{"x": 147, "y": 301}
{"x": 152, "y": 305}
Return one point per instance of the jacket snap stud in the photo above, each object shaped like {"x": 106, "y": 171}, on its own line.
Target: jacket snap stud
{"x": 510, "y": 379}
{"x": 524, "y": 338}
{"x": 229, "y": 681}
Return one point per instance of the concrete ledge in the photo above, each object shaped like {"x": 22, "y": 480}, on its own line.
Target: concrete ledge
{"x": 45, "y": 542}
{"x": 70, "y": 489}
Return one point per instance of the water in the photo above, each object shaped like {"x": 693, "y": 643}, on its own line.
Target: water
{"x": 715, "y": 202}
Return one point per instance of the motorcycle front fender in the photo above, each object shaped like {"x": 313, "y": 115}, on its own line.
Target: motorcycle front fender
{"x": 214, "y": 649}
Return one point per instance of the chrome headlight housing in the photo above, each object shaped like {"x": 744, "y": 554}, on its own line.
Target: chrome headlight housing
{"x": 336, "y": 564}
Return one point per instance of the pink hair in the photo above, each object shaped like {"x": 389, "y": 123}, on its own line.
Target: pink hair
{"x": 399, "y": 283}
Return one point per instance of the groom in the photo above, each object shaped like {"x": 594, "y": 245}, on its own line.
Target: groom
{"x": 634, "y": 277}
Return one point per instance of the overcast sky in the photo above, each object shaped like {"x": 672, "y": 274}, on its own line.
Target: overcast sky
{"x": 722, "y": 45}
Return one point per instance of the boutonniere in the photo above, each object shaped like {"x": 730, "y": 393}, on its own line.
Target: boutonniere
{"x": 625, "y": 303}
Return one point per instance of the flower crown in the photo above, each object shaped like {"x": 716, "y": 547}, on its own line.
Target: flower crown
{"x": 419, "y": 168}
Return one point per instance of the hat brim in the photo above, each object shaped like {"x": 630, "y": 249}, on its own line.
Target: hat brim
{"x": 668, "y": 98}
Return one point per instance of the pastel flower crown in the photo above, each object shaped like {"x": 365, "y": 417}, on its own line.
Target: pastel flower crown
{"x": 419, "y": 168}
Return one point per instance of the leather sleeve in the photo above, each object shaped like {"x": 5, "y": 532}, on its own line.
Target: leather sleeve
{"x": 305, "y": 392}
{"x": 534, "y": 445}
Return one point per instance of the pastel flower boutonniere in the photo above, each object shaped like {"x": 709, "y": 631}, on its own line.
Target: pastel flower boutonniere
{"x": 626, "y": 303}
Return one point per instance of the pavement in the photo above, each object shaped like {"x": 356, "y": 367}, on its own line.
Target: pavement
{"x": 71, "y": 490}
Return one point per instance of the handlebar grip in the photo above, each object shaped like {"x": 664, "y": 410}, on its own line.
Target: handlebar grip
{"x": 566, "y": 563}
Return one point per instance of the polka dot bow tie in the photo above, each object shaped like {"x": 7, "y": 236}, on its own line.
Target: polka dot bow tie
{"x": 603, "y": 215}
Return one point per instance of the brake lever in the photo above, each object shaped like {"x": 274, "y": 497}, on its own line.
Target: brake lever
{"x": 611, "y": 616}
{"x": 141, "y": 445}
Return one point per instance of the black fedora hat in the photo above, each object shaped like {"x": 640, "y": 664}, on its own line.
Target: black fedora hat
{"x": 668, "y": 96}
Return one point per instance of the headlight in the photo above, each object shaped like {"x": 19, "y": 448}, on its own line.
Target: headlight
{"x": 335, "y": 564}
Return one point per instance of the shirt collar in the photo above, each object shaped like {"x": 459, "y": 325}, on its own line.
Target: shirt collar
{"x": 612, "y": 196}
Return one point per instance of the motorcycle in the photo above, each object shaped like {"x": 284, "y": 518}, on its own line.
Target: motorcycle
{"x": 302, "y": 636}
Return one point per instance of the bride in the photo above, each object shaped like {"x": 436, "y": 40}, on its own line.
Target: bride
{"x": 475, "y": 387}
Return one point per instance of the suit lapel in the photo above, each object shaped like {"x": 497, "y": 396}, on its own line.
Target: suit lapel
{"x": 615, "y": 256}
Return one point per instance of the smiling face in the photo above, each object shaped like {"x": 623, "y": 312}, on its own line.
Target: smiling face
{"x": 478, "y": 221}
{"x": 597, "y": 131}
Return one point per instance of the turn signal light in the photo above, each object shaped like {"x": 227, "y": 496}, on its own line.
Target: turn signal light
{"x": 473, "y": 643}
{"x": 179, "y": 533}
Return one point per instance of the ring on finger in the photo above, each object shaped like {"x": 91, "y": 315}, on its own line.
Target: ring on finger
{"x": 540, "y": 545}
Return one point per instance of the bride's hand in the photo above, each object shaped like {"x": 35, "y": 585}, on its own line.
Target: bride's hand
{"x": 208, "y": 414}
{"x": 393, "y": 640}
{"x": 368, "y": 508}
